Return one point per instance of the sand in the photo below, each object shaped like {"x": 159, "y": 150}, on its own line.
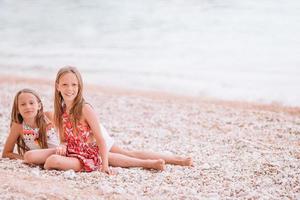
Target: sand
{"x": 241, "y": 150}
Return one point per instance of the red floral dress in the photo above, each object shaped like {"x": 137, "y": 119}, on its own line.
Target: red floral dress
{"x": 78, "y": 146}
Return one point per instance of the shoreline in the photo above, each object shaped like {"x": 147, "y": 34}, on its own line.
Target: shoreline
{"x": 111, "y": 90}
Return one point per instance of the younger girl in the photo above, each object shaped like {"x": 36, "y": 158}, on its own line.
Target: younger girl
{"x": 31, "y": 129}
{"x": 83, "y": 139}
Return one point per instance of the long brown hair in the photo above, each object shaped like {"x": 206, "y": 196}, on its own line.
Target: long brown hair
{"x": 39, "y": 120}
{"x": 76, "y": 109}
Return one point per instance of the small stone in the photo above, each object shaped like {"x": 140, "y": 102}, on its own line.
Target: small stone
{"x": 36, "y": 171}
{"x": 119, "y": 190}
{"x": 105, "y": 189}
{"x": 205, "y": 166}
{"x": 70, "y": 174}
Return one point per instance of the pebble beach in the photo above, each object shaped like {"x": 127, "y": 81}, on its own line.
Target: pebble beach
{"x": 240, "y": 150}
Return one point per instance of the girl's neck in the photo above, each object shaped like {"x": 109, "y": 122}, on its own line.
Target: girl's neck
{"x": 30, "y": 122}
{"x": 68, "y": 106}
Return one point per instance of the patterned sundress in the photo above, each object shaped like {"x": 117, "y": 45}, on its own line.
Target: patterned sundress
{"x": 78, "y": 146}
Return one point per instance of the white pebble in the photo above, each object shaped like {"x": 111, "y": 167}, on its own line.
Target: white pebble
{"x": 70, "y": 174}
{"x": 205, "y": 166}
{"x": 35, "y": 171}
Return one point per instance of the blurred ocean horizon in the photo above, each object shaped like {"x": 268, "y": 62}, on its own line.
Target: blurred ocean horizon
{"x": 233, "y": 50}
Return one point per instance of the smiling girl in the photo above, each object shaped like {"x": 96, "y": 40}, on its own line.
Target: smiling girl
{"x": 31, "y": 129}
{"x": 85, "y": 144}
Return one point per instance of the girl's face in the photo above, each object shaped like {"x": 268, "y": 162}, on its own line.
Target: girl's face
{"x": 28, "y": 105}
{"x": 68, "y": 87}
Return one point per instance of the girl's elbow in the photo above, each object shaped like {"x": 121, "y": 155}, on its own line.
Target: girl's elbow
{"x": 10, "y": 155}
{"x": 5, "y": 154}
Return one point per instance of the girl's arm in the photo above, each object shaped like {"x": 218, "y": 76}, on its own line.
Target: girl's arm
{"x": 61, "y": 149}
{"x": 91, "y": 118}
{"x": 49, "y": 115}
{"x": 11, "y": 140}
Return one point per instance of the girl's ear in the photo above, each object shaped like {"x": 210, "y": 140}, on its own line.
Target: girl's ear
{"x": 56, "y": 86}
{"x": 40, "y": 106}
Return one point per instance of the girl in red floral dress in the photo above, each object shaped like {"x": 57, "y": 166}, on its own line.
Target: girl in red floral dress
{"x": 85, "y": 145}
{"x": 78, "y": 145}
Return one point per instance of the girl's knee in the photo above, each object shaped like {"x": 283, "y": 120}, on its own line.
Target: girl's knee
{"x": 53, "y": 162}
{"x": 29, "y": 157}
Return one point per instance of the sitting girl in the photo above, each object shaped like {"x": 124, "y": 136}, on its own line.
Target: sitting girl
{"x": 85, "y": 145}
{"x": 31, "y": 129}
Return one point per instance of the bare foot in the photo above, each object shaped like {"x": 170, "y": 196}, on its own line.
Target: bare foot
{"x": 189, "y": 161}
{"x": 160, "y": 165}
{"x": 186, "y": 161}
{"x": 156, "y": 164}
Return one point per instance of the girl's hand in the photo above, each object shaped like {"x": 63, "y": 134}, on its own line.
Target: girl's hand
{"x": 61, "y": 150}
{"x": 108, "y": 170}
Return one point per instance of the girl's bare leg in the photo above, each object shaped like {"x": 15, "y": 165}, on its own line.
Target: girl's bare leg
{"x": 62, "y": 163}
{"x": 169, "y": 159}
{"x": 38, "y": 156}
{"x": 120, "y": 160}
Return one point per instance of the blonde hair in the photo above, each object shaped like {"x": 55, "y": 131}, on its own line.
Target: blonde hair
{"x": 39, "y": 120}
{"x": 76, "y": 109}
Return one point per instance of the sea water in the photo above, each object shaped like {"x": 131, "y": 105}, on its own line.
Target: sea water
{"x": 227, "y": 49}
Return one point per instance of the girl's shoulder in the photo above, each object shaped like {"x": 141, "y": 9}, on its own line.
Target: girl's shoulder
{"x": 87, "y": 109}
{"x": 86, "y": 105}
{"x": 49, "y": 119}
{"x": 16, "y": 127}
{"x": 49, "y": 115}
{"x": 88, "y": 112}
